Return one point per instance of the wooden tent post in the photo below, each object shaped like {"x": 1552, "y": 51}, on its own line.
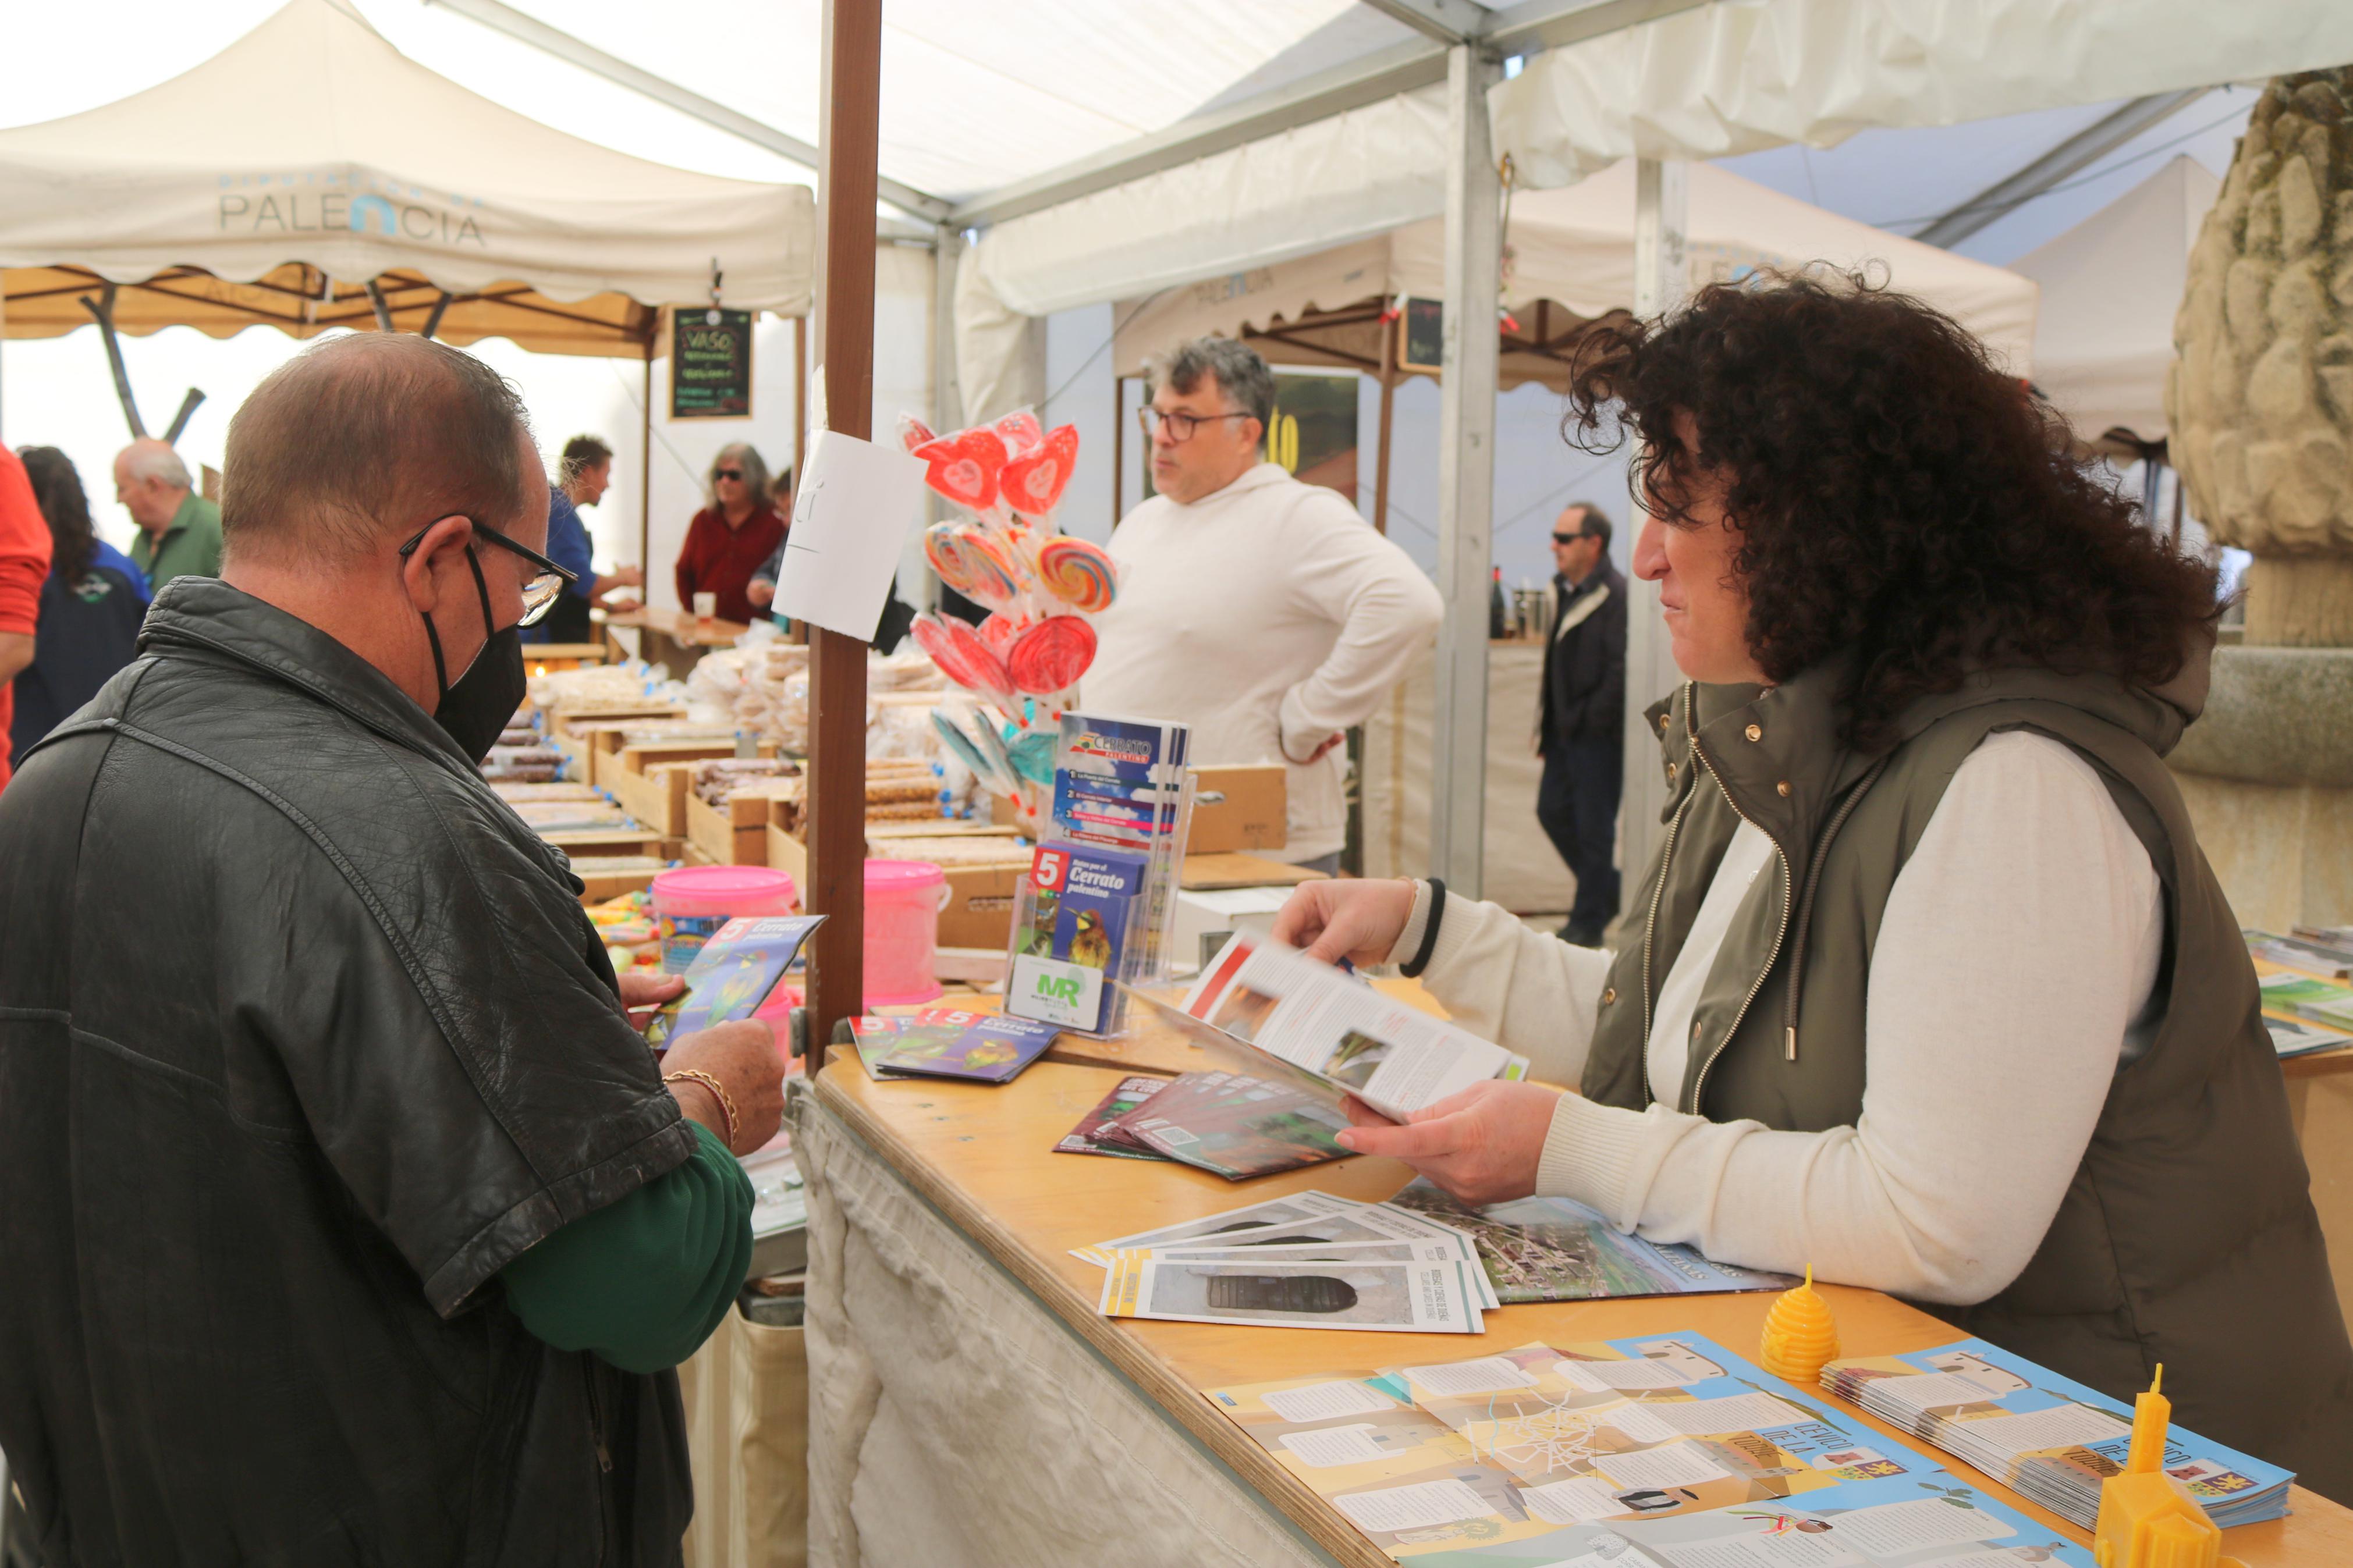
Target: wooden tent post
{"x": 1388, "y": 418}
{"x": 1118, "y": 447}
{"x": 801, "y": 394}
{"x": 849, "y": 103}
{"x": 646, "y": 469}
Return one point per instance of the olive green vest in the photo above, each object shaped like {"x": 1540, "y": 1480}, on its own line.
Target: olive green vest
{"x": 2188, "y": 1236}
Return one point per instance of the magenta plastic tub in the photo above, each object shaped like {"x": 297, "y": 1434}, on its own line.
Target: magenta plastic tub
{"x": 904, "y": 900}
{"x": 692, "y": 902}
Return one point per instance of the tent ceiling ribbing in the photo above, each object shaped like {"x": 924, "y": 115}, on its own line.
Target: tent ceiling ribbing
{"x": 270, "y": 184}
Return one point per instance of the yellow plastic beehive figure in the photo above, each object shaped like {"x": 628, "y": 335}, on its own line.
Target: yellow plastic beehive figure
{"x": 1800, "y": 1335}
{"x": 2149, "y": 1520}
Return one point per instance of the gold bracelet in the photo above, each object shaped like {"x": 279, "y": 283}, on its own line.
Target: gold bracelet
{"x": 726, "y": 1101}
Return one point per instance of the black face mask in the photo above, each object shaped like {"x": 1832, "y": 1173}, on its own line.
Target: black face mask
{"x": 476, "y": 708}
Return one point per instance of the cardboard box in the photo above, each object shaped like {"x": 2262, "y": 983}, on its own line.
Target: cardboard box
{"x": 1218, "y": 915}
{"x": 1252, "y": 812}
{"x": 979, "y": 907}
{"x": 736, "y": 834}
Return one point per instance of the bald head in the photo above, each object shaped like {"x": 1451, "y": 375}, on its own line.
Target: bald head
{"x": 363, "y": 440}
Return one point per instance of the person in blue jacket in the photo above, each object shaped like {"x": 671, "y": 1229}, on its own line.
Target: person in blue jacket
{"x": 91, "y": 605}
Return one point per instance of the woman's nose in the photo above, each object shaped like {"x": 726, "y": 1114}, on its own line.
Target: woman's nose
{"x": 1650, "y": 550}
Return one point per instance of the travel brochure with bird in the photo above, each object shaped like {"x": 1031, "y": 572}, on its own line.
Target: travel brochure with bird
{"x": 735, "y": 973}
{"x": 1670, "y": 1452}
{"x": 948, "y": 1042}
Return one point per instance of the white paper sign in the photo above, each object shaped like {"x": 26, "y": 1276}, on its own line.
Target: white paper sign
{"x": 1676, "y": 1465}
{"x": 850, "y": 517}
{"x": 1417, "y": 1507}
{"x": 1321, "y": 1401}
{"x": 1489, "y": 1375}
{"x": 1326, "y": 1447}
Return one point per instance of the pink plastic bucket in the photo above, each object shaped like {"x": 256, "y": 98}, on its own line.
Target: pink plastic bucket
{"x": 904, "y": 900}
{"x": 692, "y": 902}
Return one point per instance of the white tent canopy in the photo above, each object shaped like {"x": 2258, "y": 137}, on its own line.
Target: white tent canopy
{"x": 2111, "y": 286}
{"x": 1575, "y": 248}
{"x": 312, "y": 139}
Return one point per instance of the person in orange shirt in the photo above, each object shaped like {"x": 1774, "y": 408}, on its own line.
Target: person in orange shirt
{"x": 24, "y": 565}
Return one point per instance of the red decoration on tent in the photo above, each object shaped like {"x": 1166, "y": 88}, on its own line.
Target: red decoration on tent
{"x": 964, "y": 466}
{"x": 1052, "y": 654}
{"x": 1033, "y": 485}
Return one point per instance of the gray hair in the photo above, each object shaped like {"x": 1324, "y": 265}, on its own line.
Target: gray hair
{"x": 744, "y": 456}
{"x": 161, "y": 463}
{"x": 1240, "y": 375}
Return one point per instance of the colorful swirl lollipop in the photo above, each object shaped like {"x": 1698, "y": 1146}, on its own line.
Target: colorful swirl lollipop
{"x": 962, "y": 657}
{"x": 1052, "y": 654}
{"x": 1078, "y": 573}
{"x": 947, "y": 557}
{"x": 995, "y": 582}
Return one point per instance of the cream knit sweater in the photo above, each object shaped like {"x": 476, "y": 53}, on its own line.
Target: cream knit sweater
{"x": 2019, "y": 950}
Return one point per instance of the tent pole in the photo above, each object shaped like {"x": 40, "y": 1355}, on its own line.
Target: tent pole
{"x": 646, "y": 471}
{"x": 1466, "y": 474}
{"x": 1389, "y": 418}
{"x": 1118, "y": 447}
{"x": 1662, "y": 278}
{"x": 849, "y": 103}
{"x": 801, "y": 394}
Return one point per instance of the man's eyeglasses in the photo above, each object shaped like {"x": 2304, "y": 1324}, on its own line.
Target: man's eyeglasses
{"x": 1181, "y": 425}
{"x": 1567, "y": 538}
{"x": 539, "y": 590}
{"x": 735, "y": 474}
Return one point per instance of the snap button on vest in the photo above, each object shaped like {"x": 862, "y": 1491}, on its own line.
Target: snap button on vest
{"x": 1781, "y": 788}
{"x": 1755, "y": 732}
{"x": 1609, "y": 994}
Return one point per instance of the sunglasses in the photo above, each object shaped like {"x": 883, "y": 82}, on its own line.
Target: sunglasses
{"x": 1567, "y": 538}
{"x": 539, "y": 590}
{"x": 736, "y": 474}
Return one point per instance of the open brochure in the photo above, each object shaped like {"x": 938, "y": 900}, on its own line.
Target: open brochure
{"x": 1325, "y": 1028}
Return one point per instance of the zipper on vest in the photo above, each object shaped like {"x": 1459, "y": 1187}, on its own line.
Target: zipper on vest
{"x": 1699, "y": 1084}
{"x": 1805, "y": 901}
{"x": 1659, "y": 888}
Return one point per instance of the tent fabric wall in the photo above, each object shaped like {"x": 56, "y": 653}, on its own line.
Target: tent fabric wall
{"x": 1574, "y": 247}
{"x": 1724, "y": 80}
{"x": 2111, "y": 286}
{"x": 311, "y": 139}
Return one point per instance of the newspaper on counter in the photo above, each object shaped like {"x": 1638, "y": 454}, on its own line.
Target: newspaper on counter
{"x": 1329, "y": 1032}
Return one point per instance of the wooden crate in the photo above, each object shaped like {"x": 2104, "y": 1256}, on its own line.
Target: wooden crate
{"x": 603, "y": 886}
{"x": 656, "y": 797}
{"x": 609, "y": 841}
{"x": 736, "y": 836}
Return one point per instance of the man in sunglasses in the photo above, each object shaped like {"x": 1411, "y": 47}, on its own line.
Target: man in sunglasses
{"x": 1581, "y": 716}
{"x": 1265, "y": 613}
{"x": 347, "y": 1220}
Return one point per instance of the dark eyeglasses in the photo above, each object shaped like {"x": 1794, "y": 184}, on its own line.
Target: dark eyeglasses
{"x": 728, "y": 474}
{"x": 1567, "y": 538}
{"x": 1180, "y": 425}
{"x": 539, "y": 590}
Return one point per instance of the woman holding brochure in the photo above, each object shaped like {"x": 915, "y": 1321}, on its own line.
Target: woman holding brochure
{"x": 1928, "y": 984}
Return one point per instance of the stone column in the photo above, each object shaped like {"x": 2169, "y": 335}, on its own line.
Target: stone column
{"x": 2259, "y": 399}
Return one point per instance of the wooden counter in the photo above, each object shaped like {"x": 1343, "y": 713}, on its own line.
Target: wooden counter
{"x": 981, "y": 1158}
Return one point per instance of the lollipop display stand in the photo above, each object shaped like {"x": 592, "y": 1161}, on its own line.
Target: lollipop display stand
{"x": 1042, "y": 590}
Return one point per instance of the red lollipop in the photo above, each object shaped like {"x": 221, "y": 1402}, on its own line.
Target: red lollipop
{"x": 1021, "y": 432}
{"x": 1033, "y": 485}
{"x": 964, "y": 466}
{"x": 962, "y": 657}
{"x": 1052, "y": 654}
{"x": 913, "y": 432}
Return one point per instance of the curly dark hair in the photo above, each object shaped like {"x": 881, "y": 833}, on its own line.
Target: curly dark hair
{"x": 1895, "y": 493}
{"x": 57, "y": 490}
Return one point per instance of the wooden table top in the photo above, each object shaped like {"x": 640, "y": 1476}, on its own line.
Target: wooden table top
{"x": 680, "y": 626}
{"x": 983, "y": 1155}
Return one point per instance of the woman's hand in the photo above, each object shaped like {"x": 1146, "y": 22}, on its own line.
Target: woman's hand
{"x": 760, "y": 591}
{"x": 1335, "y": 919}
{"x": 1482, "y": 1145}
{"x": 742, "y": 1056}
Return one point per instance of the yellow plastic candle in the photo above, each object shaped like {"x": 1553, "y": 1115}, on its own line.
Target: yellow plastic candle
{"x": 2152, "y": 1417}
{"x": 1800, "y": 1335}
{"x": 2147, "y": 1520}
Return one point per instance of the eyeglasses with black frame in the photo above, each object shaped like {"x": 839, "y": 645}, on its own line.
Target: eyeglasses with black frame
{"x": 1567, "y": 538}
{"x": 1180, "y": 424}
{"x": 539, "y": 590}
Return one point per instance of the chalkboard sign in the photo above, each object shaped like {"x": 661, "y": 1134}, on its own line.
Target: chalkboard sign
{"x": 1421, "y": 334}
{"x": 710, "y": 363}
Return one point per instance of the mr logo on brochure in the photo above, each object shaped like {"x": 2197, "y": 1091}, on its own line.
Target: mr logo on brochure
{"x": 1073, "y": 934}
{"x": 1055, "y": 993}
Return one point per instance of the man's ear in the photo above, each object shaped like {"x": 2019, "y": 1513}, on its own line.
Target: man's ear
{"x": 442, "y": 547}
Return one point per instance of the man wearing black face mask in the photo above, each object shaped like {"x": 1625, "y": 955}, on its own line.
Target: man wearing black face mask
{"x": 347, "y": 1218}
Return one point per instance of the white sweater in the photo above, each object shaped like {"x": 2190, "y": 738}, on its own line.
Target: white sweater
{"x": 1268, "y": 615}
{"x": 2019, "y": 950}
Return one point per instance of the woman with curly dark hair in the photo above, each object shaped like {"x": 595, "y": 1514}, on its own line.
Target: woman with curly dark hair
{"x": 91, "y": 605}
{"x": 1928, "y": 985}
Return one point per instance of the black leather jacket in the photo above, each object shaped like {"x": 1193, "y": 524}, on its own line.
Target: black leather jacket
{"x": 303, "y": 1037}
{"x": 1584, "y": 691}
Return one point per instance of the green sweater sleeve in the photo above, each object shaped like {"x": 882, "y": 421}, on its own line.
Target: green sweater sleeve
{"x": 643, "y": 1281}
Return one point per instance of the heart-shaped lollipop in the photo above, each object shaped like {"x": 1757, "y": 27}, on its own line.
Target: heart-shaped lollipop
{"x": 1077, "y": 573}
{"x": 964, "y": 466}
{"x": 914, "y": 433}
{"x": 1032, "y": 485}
{"x": 962, "y": 657}
{"x": 1021, "y": 431}
{"x": 1051, "y": 654}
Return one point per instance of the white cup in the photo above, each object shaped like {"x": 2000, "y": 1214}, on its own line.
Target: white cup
{"x": 706, "y": 608}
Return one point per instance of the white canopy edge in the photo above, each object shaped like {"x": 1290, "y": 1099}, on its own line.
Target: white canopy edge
{"x": 1737, "y": 79}
{"x": 2111, "y": 287}
{"x": 311, "y": 139}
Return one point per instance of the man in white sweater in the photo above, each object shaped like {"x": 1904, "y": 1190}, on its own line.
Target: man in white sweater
{"x": 1262, "y": 612}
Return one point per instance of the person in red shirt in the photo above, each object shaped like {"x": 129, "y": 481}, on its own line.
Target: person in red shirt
{"x": 24, "y": 565}
{"x": 731, "y": 538}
